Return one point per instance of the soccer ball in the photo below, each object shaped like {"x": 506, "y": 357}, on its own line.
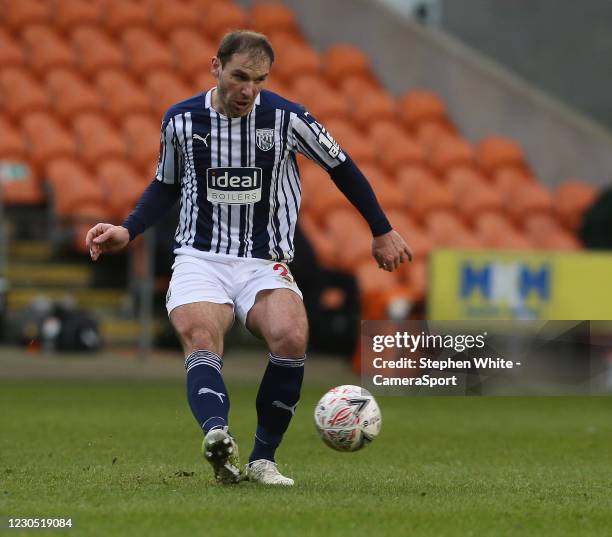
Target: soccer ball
{"x": 347, "y": 418}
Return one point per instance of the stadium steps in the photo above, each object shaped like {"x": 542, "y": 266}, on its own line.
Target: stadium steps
{"x": 67, "y": 275}
{"x": 103, "y": 300}
{"x": 34, "y": 274}
{"x": 26, "y": 250}
{"x": 118, "y": 331}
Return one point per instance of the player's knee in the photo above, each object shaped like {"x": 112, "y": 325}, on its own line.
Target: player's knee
{"x": 200, "y": 338}
{"x": 289, "y": 341}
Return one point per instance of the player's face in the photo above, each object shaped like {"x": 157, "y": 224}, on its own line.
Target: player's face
{"x": 239, "y": 82}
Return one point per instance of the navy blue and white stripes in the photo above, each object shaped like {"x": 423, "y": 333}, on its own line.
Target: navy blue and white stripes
{"x": 195, "y": 139}
{"x": 286, "y": 362}
{"x": 198, "y": 358}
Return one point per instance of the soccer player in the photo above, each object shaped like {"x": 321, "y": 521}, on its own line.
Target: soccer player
{"x": 228, "y": 154}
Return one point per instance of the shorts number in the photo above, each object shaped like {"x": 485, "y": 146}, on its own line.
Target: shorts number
{"x": 282, "y": 268}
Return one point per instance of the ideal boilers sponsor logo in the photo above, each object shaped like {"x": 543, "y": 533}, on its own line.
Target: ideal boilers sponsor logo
{"x": 236, "y": 186}
{"x": 508, "y": 290}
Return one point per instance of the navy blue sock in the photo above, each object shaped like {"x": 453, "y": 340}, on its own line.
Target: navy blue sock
{"x": 277, "y": 400}
{"x": 206, "y": 390}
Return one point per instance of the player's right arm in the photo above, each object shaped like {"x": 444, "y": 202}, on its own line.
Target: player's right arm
{"x": 156, "y": 200}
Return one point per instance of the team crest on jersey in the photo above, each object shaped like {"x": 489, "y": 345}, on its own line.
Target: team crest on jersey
{"x": 264, "y": 139}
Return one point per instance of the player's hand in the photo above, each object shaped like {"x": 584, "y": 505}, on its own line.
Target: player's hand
{"x": 103, "y": 238}
{"x": 390, "y": 250}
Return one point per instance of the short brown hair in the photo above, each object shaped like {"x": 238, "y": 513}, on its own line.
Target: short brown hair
{"x": 243, "y": 41}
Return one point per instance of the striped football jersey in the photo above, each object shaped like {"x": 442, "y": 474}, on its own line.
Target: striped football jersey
{"x": 240, "y": 185}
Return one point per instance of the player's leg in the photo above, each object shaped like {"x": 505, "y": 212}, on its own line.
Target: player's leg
{"x": 201, "y": 327}
{"x": 279, "y": 318}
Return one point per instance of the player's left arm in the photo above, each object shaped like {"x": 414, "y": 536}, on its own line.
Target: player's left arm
{"x": 311, "y": 139}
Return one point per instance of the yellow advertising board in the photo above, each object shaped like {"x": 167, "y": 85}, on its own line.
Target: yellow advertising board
{"x": 493, "y": 284}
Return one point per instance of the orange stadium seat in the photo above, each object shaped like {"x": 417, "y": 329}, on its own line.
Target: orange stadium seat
{"x": 47, "y": 139}
{"x": 19, "y": 185}
{"x": 382, "y": 131}
{"x": 95, "y": 51}
{"x": 429, "y": 133}
{"x": 267, "y": 17}
{"x": 72, "y": 187}
{"x": 296, "y": 60}
{"x": 165, "y": 89}
{"x": 141, "y": 135}
{"x": 530, "y": 199}
{"x": 324, "y": 247}
{"x": 379, "y": 289}
{"x": 494, "y": 230}
{"x": 170, "y": 16}
{"x": 97, "y": 138}
{"x": 19, "y": 14}
{"x": 447, "y": 230}
{"x": 508, "y": 178}
{"x": 221, "y": 17}
{"x": 276, "y": 85}
{"x": 281, "y": 39}
{"x": 12, "y": 144}
{"x": 540, "y": 224}
{"x": 120, "y": 16}
{"x": 304, "y": 86}
{"x": 319, "y": 193}
{"x": 479, "y": 199}
{"x": 343, "y": 60}
{"x": 385, "y": 190}
{"x": 353, "y": 86}
{"x": 460, "y": 179}
{"x": 494, "y": 152}
{"x": 416, "y": 275}
{"x": 560, "y": 240}
{"x": 68, "y": 14}
{"x": 489, "y": 225}
{"x": 11, "y": 54}
{"x": 145, "y": 53}
{"x": 367, "y": 105}
{"x": 417, "y": 106}
{"x": 571, "y": 200}
{"x": 400, "y": 151}
{"x": 206, "y": 5}
{"x": 410, "y": 178}
{"x": 350, "y": 235}
{"x": 45, "y": 49}
{"x": 326, "y": 108}
{"x": 546, "y": 232}
{"x": 441, "y": 223}
{"x": 319, "y": 98}
{"x": 373, "y": 279}
{"x": 192, "y": 53}
{"x": 122, "y": 186}
{"x": 400, "y": 219}
{"x": 351, "y": 140}
{"x": 121, "y": 95}
{"x": 451, "y": 152}
{"x": 428, "y": 198}
{"x": 203, "y": 82}
{"x": 70, "y": 94}
{"x": 21, "y": 93}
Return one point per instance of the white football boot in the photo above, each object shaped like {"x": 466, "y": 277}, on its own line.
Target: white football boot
{"x": 221, "y": 451}
{"x": 266, "y": 472}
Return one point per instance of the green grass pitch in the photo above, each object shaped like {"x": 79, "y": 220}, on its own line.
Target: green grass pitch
{"x": 124, "y": 459}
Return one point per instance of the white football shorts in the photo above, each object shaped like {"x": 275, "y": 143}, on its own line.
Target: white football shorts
{"x": 225, "y": 279}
